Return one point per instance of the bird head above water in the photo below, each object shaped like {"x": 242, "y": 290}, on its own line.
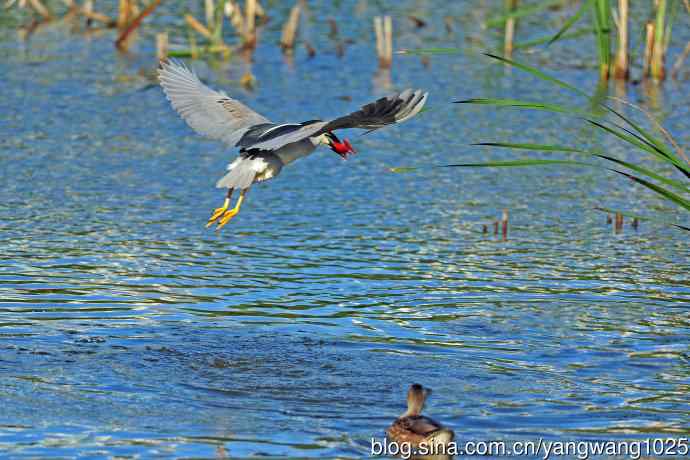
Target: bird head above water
{"x": 416, "y": 397}
{"x": 416, "y": 429}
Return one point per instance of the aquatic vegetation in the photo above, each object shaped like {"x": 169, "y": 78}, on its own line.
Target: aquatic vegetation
{"x": 133, "y": 23}
{"x": 384, "y": 41}
{"x": 657, "y": 33}
{"x": 604, "y": 16}
{"x": 287, "y": 39}
{"x": 609, "y": 121}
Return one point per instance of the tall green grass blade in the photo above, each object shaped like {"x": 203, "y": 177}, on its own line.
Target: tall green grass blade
{"x": 499, "y": 164}
{"x": 570, "y": 22}
{"x": 526, "y": 105}
{"x": 680, "y": 186}
{"x": 631, "y": 140}
{"x": 664, "y": 155}
{"x": 659, "y": 27}
{"x": 527, "y": 146}
{"x": 641, "y": 139}
{"x": 659, "y": 145}
{"x": 540, "y": 41}
{"x": 679, "y": 200}
{"x": 538, "y": 73}
{"x": 518, "y": 163}
{"x": 669, "y": 24}
{"x": 647, "y": 172}
{"x": 601, "y": 11}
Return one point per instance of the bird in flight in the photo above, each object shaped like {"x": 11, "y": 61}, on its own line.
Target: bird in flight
{"x": 266, "y": 147}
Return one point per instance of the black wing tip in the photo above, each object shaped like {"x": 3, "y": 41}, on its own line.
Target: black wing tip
{"x": 310, "y": 122}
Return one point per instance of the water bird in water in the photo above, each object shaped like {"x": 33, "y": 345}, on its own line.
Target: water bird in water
{"x": 266, "y": 147}
{"x": 415, "y": 429}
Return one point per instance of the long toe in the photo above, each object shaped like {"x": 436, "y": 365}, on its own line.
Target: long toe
{"x": 216, "y": 214}
{"x": 226, "y": 218}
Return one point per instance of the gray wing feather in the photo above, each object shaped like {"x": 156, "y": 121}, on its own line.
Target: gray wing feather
{"x": 385, "y": 111}
{"x": 311, "y": 130}
{"x": 210, "y": 113}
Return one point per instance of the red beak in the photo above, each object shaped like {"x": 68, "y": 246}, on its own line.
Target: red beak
{"x": 349, "y": 146}
{"x": 343, "y": 148}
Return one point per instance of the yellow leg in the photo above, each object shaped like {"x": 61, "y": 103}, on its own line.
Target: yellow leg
{"x": 233, "y": 212}
{"x": 219, "y": 211}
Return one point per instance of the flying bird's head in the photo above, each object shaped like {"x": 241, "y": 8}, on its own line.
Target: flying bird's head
{"x": 341, "y": 148}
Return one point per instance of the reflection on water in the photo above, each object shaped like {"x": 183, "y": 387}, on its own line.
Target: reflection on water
{"x": 126, "y": 328}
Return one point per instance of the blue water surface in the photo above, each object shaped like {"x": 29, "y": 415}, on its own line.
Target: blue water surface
{"x": 129, "y": 330}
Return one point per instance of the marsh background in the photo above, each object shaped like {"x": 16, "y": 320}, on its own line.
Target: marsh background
{"x": 127, "y": 328}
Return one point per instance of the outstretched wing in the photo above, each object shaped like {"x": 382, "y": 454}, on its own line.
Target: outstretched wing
{"x": 208, "y": 112}
{"x": 385, "y": 111}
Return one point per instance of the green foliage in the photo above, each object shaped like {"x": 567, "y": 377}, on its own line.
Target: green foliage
{"x": 570, "y": 22}
{"x": 628, "y": 132}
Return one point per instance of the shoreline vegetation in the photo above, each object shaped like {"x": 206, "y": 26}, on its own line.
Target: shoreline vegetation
{"x": 227, "y": 28}
{"x": 610, "y": 22}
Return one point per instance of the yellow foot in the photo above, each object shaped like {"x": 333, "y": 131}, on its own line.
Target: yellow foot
{"x": 217, "y": 213}
{"x": 227, "y": 217}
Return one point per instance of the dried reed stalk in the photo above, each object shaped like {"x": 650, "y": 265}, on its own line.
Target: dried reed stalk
{"x": 217, "y": 25}
{"x": 388, "y": 34}
{"x": 621, "y": 65}
{"x": 509, "y": 35}
{"x": 234, "y": 12}
{"x": 378, "y": 30}
{"x": 121, "y": 42}
{"x": 198, "y": 26}
{"x": 332, "y": 29}
{"x": 87, "y": 10}
{"x": 210, "y": 8}
{"x": 619, "y": 223}
{"x": 260, "y": 12}
{"x": 250, "y": 24}
{"x": 287, "y": 39}
{"x": 41, "y": 9}
{"x": 135, "y": 8}
{"x": 124, "y": 14}
{"x": 162, "y": 46}
{"x": 100, "y": 17}
{"x": 648, "y": 49}
{"x": 383, "y": 27}
{"x": 504, "y": 225}
{"x": 657, "y": 69}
